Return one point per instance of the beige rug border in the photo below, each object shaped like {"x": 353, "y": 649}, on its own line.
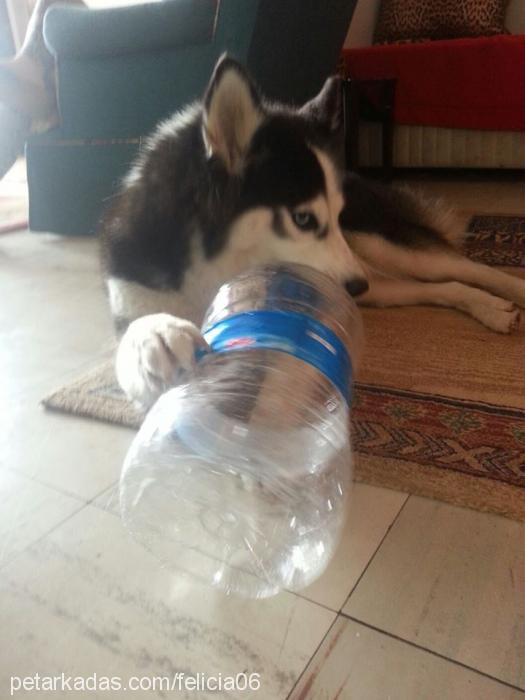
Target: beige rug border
{"x": 476, "y": 492}
{"x": 75, "y": 398}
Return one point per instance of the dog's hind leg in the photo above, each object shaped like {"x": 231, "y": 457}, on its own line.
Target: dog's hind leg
{"x": 495, "y": 313}
{"x": 439, "y": 263}
{"x": 460, "y": 268}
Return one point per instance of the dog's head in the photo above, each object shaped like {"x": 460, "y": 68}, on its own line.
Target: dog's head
{"x": 282, "y": 159}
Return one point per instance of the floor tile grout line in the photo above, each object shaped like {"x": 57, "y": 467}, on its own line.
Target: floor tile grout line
{"x": 338, "y": 613}
{"x": 83, "y": 503}
{"x": 48, "y": 485}
{"x": 92, "y": 500}
{"x": 63, "y": 492}
{"x": 314, "y": 602}
{"x": 109, "y": 511}
{"x": 432, "y": 652}
{"x": 313, "y": 655}
{"x": 374, "y": 554}
{"x": 339, "y": 609}
{"x": 41, "y": 537}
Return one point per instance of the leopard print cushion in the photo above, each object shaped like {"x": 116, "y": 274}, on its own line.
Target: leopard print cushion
{"x": 415, "y": 20}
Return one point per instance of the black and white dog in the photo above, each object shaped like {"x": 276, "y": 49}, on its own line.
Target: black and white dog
{"x": 235, "y": 181}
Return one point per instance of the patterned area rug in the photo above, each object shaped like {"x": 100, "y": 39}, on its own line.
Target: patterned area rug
{"x": 497, "y": 240}
{"x": 439, "y": 407}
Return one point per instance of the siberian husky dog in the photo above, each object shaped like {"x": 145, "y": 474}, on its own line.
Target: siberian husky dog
{"x": 235, "y": 181}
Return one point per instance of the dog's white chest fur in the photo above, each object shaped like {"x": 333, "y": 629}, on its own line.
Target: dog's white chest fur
{"x": 202, "y": 278}
{"x": 130, "y": 300}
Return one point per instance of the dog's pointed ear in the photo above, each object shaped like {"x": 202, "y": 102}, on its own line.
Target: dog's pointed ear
{"x": 327, "y": 107}
{"x": 232, "y": 113}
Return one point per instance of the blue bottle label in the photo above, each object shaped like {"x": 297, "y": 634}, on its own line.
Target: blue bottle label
{"x": 286, "y": 331}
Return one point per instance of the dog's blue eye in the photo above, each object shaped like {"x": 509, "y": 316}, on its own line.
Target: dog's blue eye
{"x": 305, "y": 221}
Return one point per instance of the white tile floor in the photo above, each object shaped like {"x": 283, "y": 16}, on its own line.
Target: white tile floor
{"x": 422, "y": 601}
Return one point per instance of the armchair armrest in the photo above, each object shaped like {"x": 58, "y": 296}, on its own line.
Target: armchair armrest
{"x": 78, "y": 32}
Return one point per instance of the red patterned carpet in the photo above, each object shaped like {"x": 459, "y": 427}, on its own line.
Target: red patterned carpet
{"x": 497, "y": 240}
{"x": 473, "y": 438}
{"x": 439, "y": 406}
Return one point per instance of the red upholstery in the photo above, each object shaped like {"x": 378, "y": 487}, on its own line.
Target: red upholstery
{"x": 463, "y": 83}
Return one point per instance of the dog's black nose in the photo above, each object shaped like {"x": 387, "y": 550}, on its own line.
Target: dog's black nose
{"x": 356, "y": 286}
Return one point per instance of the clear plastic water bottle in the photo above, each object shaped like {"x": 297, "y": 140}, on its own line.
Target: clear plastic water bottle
{"x": 240, "y": 477}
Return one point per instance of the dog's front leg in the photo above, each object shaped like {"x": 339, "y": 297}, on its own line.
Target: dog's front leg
{"x": 495, "y": 313}
{"x": 153, "y": 355}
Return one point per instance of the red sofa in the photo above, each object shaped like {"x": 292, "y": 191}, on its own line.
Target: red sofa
{"x": 460, "y": 83}
{"x": 459, "y": 103}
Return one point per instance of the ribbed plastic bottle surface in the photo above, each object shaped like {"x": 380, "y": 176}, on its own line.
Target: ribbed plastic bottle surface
{"x": 240, "y": 477}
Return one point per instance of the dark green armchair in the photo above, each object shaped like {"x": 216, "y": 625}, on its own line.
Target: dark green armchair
{"x": 122, "y": 70}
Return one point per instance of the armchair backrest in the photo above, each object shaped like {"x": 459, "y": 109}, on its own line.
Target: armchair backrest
{"x": 121, "y": 70}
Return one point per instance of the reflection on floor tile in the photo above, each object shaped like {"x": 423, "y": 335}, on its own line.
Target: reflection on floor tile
{"x": 357, "y": 663}
{"x": 112, "y": 610}
{"x": 451, "y": 580}
{"x": 74, "y": 455}
{"x": 57, "y": 318}
{"x": 27, "y": 511}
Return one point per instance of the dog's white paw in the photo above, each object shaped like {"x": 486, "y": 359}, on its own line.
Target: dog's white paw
{"x": 500, "y": 320}
{"x": 511, "y": 322}
{"x": 153, "y": 355}
{"x": 498, "y": 314}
